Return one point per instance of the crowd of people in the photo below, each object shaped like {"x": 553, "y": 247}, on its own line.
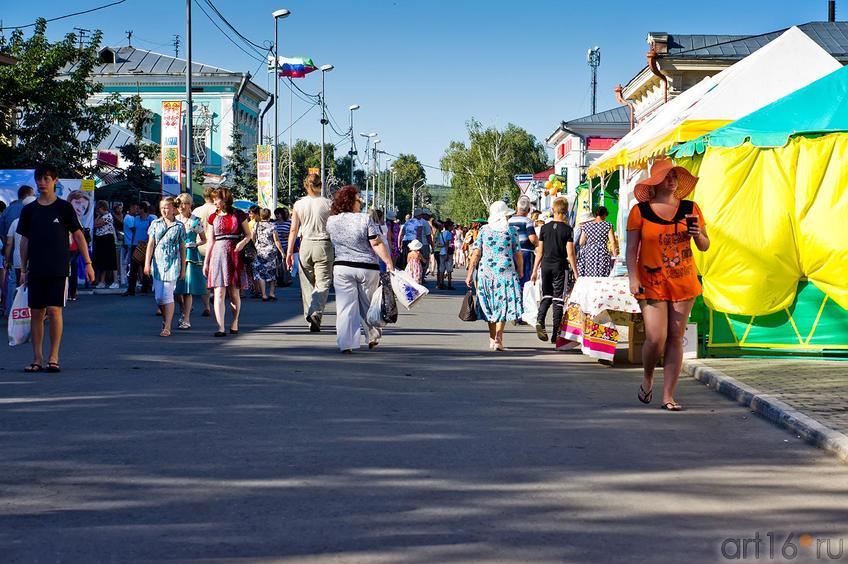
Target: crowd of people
{"x": 217, "y": 252}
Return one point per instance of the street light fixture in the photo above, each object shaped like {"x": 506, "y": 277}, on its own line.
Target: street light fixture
{"x": 278, "y": 15}
{"x": 352, "y": 109}
{"x": 324, "y": 70}
{"x": 376, "y": 174}
{"x": 368, "y": 137}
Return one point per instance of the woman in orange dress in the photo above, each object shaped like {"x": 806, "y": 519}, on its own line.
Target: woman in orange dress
{"x": 661, "y": 265}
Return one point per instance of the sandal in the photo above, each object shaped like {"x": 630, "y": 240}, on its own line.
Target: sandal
{"x": 165, "y": 333}
{"x": 33, "y": 367}
{"x": 373, "y": 344}
{"x": 672, "y": 406}
{"x": 183, "y": 325}
{"x": 645, "y": 396}
{"x": 272, "y": 298}
{"x": 53, "y": 367}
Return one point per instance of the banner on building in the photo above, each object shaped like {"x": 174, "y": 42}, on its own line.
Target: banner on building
{"x": 264, "y": 186}
{"x": 171, "y": 147}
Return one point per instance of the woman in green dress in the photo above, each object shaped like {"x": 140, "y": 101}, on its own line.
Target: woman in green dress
{"x": 194, "y": 283}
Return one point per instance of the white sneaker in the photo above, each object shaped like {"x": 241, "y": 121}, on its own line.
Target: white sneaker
{"x": 114, "y": 286}
{"x": 101, "y": 286}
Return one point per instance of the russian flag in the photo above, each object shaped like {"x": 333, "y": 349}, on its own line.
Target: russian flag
{"x": 292, "y": 67}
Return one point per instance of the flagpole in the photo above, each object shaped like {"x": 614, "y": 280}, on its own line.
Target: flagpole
{"x": 291, "y": 124}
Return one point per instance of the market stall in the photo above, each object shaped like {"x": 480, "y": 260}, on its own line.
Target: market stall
{"x": 774, "y": 189}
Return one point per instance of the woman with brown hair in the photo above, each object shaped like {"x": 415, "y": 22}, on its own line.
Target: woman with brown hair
{"x": 357, "y": 245}
{"x": 268, "y": 252}
{"x": 661, "y": 266}
{"x": 309, "y": 220}
{"x": 227, "y": 234}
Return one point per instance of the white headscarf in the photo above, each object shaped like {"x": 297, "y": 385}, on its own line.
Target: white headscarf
{"x": 499, "y": 214}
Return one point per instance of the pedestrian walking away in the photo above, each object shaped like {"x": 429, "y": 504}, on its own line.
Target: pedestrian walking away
{"x": 46, "y": 227}
{"x": 140, "y": 227}
{"x": 105, "y": 249}
{"x": 315, "y": 271}
{"x": 357, "y": 246}
{"x": 194, "y": 283}
{"x": 662, "y": 270}
{"x": 554, "y": 254}
{"x": 598, "y": 246}
{"x": 527, "y": 239}
{"x": 203, "y": 212}
{"x": 165, "y": 259}
{"x": 498, "y": 255}
{"x": 269, "y": 249}
{"x": 227, "y": 235}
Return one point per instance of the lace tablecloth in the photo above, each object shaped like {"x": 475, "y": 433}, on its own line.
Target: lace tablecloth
{"x": 587, "y": 322}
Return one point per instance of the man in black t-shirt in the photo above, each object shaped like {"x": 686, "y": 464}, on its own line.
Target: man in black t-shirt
{"x": 554, "y": 253}
{"x": 45, "y": 227}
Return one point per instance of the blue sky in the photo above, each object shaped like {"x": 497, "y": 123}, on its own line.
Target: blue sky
{"x": 420, "y": 69}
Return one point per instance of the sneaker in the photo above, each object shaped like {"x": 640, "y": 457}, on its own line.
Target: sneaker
{"x": 114, "y": 286}
{"x": 541, "y": 333}
{"x": 100, "y": 286}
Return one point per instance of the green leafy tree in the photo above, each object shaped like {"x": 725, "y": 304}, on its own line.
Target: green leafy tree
{"x": 482, "y": 169}
{"x": 304, "y": 155}
{"x": 240, "y": 179}
{"x": 140, "y": 155}
{"x": 409, "y": 172}
{"x": 342, "y": 170}
{"x": 51, "y": 85}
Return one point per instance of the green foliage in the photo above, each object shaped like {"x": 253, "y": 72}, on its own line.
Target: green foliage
{"x": 240, "y": 174}
{"x": 304, "y": 155}
{"x": 409, "y": 172}
{"x": 482, "y": 170}
{"x": 342, "y": 171}
{"x": 53, "y": 105}
{"x": 138, "y": 172}
{"x": 136, "y": 116}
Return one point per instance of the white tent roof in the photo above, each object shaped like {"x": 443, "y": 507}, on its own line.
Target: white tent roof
{"x": 781, "y": 67}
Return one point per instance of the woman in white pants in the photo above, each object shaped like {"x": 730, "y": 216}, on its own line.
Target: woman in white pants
{"x": 356, "y": 271}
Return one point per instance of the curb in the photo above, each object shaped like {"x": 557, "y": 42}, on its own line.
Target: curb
{"x": 770, "y": 408}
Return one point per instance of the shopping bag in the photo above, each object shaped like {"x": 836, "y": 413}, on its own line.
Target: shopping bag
{"x": 530, "y": 298}
{"x": 375, "y": 314}
{"x": 19, "y": 318}
{"x": 388, "y": 306}
{"x": 468, "y": 309}
{"x": 407, "y": 291}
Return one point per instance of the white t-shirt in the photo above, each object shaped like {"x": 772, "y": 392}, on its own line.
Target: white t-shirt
{"x": 313, "y": 212}
{"x": 16, "y": 253}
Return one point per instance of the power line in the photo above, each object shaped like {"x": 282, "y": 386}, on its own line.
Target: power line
{"x": 297, "y": 120}
{"x": 233, "y": 41}
{"x": 419, "y": 162}
{"x": 65, "y": 16}
{"x": 229, "y": 25}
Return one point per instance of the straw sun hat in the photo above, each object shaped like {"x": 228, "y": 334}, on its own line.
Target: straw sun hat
{"x": 685, "y": 181}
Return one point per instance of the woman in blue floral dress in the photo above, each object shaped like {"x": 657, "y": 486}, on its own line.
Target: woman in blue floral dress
{"x": 497, "y": 253}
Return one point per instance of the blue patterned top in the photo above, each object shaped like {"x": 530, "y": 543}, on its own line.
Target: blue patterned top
{"x": 166, "y": 254}
{"x": 498, "y": 249}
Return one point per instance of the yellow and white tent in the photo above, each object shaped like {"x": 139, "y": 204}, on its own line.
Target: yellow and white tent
{"x": 788, "y": 63}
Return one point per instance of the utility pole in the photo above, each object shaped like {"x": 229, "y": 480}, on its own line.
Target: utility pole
{"x": 593, "y": 57}
{"x": 129, "y": 37}
{"x": 82, "y": 35}
{"x": 176, "y": 43}
{"x": 189, "y": 107}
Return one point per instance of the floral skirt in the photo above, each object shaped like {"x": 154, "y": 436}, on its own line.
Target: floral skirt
{"x": 226, "y": 267}
{"x": 498, "y": 296}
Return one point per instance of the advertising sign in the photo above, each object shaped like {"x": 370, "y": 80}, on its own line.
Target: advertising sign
{"x": 171, "y": 147}
{"x": 264, "y": 187}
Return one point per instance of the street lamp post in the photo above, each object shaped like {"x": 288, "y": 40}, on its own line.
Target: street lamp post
{"x": 352, "y": 109}
{"x": 368, "y": 137}
{"x": 374, "y": 171}
{"x": 414, "y": 186}
{"x": 189, "y": 125}
{"x": 324, "y": 70}
{"x": 275, "y": 172}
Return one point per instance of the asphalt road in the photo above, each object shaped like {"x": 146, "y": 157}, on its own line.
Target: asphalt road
{"x": 272, "y": 446}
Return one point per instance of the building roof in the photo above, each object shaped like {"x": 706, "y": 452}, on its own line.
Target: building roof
{"x": 115, "y": 139}
{"x": 831, "y": 36}
{"x": 619, "y": 115}
{"x": 7, "y": 59}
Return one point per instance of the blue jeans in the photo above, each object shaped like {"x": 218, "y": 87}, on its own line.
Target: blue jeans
{"x": 527, "y": 268}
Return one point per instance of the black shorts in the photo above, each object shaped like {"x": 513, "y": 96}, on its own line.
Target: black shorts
{"x": 47, "y": 291}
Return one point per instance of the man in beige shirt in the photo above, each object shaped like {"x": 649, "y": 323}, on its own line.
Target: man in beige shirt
{"x": 309, "y": 219}
{"x": 203, "y": 212}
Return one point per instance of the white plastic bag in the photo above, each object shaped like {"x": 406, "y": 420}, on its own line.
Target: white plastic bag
{"x": 19, "y": 322}
{"x": 531, "y": 296}
{"x": 407, "y": 291}
{"x": 375, "y": 317}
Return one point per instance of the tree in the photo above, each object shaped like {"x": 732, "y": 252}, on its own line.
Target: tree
{"x": 304, "y": 155}
{"x": 342, "y": 169}
{"x": 51, "y": 85}
{"x": 482, "y": 170}
{"x": 139, "y": 173}
{"x": 409, "y": 172}
{"x": 241, "y": 180}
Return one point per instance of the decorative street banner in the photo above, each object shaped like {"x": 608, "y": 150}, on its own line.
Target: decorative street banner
{"x": 264, "y": 188}
{"x": 171, "y": 149}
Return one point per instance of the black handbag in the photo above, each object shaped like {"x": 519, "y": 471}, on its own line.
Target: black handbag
{"x": 388, "y": 307}
{"x": 468, "y": 309}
